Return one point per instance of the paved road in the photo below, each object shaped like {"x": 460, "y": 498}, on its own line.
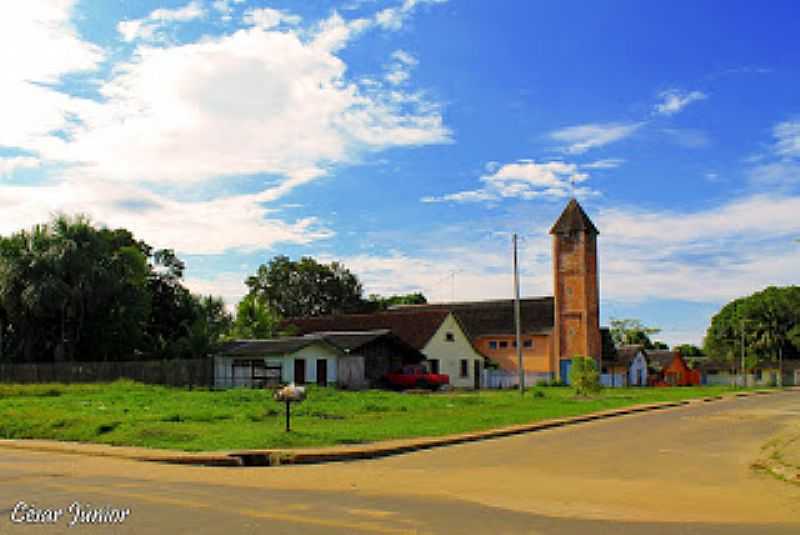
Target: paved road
{"x": 678, "y": 471}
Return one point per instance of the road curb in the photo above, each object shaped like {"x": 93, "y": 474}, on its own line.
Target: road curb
{"x": 276, "y": 457}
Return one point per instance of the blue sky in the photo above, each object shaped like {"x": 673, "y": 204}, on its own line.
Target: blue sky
{"x": 409, "y": 139}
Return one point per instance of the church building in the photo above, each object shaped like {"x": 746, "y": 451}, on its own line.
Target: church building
{"x": 463, "y": 338}
{"x": 554, "y": 328}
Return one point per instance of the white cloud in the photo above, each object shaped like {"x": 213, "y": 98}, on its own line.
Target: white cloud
{"x": 404, "y": 57}
{"x": 9, "y": 165}
{"x": 147, "y": 28}
{"x": 228, "y": 285}
{"x": 254, "y": 101}
{"x": 39, "y": 43}
{"x": 267, "y": 18}
{"x": 675, "y": 100}
{"x": 30, "y": 110}
{"x": 608, "y": 163}
{"x": 524, "y": 179}
{"x": 709, "y": 256}
{"x": 780, "y": 173}
{"x": 399, "y": 70}
{"x": 276, "y": 103}
{"x": 580, "y": 138}
{"x": 782, "y": 166}
{"x": 205, "y": 227}
{"x": 393, "y": 18}
{"x": 225, "y": 7}
{"x": 787, "y": 135}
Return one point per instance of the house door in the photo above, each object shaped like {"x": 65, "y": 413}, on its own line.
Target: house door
{"x": 299, "y": 371}
{"x": 322, "y": 372}
{"x": 476, "y": 372}
{"x": 564, "y": 368}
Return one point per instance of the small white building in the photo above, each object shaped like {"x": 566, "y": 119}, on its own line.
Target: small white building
{"x": 437, "y": 334}
{"x": 346, "y": 359}
{"x": 258, "y": 363}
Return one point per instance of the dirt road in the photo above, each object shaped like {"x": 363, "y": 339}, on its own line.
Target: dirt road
{"x": 683, "y": 470}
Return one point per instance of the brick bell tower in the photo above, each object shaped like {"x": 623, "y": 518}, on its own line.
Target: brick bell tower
{"x": 577, "y": 299}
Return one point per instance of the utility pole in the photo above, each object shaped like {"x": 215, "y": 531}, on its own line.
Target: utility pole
{"x": 516, "y": 320}
{"x": 744, "y": 375}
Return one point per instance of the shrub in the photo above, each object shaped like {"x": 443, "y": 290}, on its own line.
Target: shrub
{"x": 584, "y": 376}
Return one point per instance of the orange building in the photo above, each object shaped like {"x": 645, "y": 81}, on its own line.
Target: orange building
{"x": 668, "y": 368}
{"x": 554, "y": 329}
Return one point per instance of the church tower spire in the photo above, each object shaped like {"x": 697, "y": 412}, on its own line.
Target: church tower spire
{"x": 577, "y": 298}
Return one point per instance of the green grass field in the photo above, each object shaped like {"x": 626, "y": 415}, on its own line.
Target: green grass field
{"x": 132, "y": 414}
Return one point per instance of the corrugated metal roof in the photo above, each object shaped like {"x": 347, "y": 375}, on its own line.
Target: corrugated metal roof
{"x": 414, "y": 327}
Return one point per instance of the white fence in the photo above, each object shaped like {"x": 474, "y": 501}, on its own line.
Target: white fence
{"x": 614, "y": 380}
{"x": 506, "y": 379}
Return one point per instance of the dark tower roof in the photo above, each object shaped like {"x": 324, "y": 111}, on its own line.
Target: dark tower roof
{"x": 573, "y": 218}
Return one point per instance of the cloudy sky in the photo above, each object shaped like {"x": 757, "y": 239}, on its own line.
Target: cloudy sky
{"x": 410, "y": 138}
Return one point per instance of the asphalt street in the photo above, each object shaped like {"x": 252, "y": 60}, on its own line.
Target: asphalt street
{"x": 678, "y": 471}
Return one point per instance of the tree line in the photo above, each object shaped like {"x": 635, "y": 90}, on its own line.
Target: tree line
{"x": 764, "y": 326}
{"x": 73, "y": 291}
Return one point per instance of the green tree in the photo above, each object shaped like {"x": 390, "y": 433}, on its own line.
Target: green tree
{"x": 584, "y": 376}
{"x": 771, "y": 315}
{"x": 306, "y": 287}
{"x": 689, "y": 350}
{"x": 70, "y": 291}
{"x": 766, "y": 322}
{"x": 376, "y": 303}
{"x": 255, "y": 319}
{"x": 634, "y": 332}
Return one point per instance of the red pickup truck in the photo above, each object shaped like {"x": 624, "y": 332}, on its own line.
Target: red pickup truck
{"x": 416, "y": 377}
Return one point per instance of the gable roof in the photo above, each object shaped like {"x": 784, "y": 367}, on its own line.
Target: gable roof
{"x": 351, "y": 341}
{"x": 414, "y": 327}
{"x": 496, "y": 317}
{"x": 627, "y": 353}
{"x": 573, "y": 218}
{"x": 276, "y": 346}
{"x": 660, "y": 358}
{"x": 343, "y": 342}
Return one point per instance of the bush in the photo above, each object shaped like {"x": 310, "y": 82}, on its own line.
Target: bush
{"x": 584, "y": 376}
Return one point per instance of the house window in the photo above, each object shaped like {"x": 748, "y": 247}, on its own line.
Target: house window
{"x": 433, "y": 365}
{"x": 492, "y": 344}
{"x": 449, "y": 337}
{"x": 503, "y": 344}
{"x": 527, "y": 343}
{"x": 464, "y": 368}
{"x": 252, "y": 373}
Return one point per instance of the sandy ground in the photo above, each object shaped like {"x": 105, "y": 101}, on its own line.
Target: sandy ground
{"x": 683, "y": 470}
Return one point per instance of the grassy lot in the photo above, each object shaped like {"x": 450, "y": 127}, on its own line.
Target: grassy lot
{"x": 127, "y": 413}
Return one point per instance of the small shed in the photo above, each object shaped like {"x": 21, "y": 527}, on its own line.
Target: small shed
{"x": 628, "y": 367}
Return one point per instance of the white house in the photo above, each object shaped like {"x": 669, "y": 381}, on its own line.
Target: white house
{"x": 437, "y": 334}
{"x": 346, "y": 359}
{"x": 256, "y": 363}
